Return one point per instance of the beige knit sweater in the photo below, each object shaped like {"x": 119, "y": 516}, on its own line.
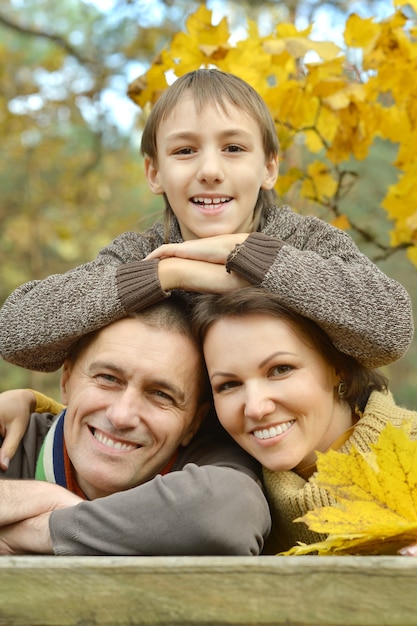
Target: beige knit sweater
{"x": 290, "y": 496}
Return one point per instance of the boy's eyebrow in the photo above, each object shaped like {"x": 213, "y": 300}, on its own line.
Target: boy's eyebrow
{"x": 228, "y": 133}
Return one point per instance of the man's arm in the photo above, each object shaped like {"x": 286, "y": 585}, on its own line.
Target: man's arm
{"x": 24, "y": 514}
{"x": 31, "y": 536}
{"x": 206, "y": 510}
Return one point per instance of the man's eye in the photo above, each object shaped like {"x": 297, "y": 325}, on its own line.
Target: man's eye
{"x": 164, "y": 396}
{"x": 106, "y": 378}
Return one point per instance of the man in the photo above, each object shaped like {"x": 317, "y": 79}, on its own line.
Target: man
{"x": 146, "y": 475}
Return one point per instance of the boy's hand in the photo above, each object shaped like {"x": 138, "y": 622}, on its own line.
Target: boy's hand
{"x": 16, "y": 405}
{"x": 197, "y": 276}
{"x": 210, "y": 249}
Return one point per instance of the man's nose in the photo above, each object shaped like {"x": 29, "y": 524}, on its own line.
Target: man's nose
{"x": 125, "y": 411}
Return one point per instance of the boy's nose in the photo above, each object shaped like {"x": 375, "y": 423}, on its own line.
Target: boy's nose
{"x": 211, "y": 169}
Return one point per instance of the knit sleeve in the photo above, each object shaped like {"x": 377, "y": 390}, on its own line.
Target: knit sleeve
{"x": 44, "y": 404}
{"x": 319, "y": 272}
{"x": 254, "y": 257}
{"x": 40, "y": 320}
{"x": 138, "y": 284}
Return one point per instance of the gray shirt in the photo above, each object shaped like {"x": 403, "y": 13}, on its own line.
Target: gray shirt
{"x": 211, "y": 503}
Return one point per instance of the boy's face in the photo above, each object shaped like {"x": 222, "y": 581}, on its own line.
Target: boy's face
{"x": 211, "y": 165}
{"x": 131, "y": 402}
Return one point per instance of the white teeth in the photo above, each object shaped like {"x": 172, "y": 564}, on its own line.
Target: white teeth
{"x": 207, "y": 201}
{"x": 268, "y": 433}
{"x": 111, "y": 443}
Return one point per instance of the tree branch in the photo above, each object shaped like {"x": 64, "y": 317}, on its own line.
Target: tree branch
{"x": 56, "y": 39}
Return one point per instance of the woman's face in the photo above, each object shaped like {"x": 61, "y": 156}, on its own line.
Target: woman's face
{"x": 273, "y": 392}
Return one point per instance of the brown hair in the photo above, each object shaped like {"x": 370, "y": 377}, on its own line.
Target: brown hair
{"x": 172, "y": 315}
{"x": 359, "y": 380}
{"x": 212, "y": 86}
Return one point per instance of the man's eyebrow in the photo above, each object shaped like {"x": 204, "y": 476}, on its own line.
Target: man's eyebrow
{"x": 177, "y": 391}
{"x": 96, "y": 366}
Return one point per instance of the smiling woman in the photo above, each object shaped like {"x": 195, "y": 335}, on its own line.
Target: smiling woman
{"x": 284, "y": 392}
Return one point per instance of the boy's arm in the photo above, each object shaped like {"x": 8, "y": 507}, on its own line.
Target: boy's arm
{"x": 318, "y": 271}
{"x": 41, "y": 319}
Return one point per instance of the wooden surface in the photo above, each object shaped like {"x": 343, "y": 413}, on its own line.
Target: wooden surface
{"x": 125, "y": 591}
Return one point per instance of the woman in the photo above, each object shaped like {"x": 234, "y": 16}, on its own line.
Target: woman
{"x": 283, "y": 391}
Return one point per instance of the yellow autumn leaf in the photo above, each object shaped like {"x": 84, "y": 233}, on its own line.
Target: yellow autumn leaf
{"x": 360, "y": 32}
{"x": 376, "y": 498}
{"x": 320, "y": 184}
{"x": 403, "y": 3}
{"x": 342, "y": 222}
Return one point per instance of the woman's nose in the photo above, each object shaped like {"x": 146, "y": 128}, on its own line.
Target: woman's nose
{"x": 258, "y": 403}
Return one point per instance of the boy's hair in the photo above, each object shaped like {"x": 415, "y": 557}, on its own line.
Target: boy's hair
{"x": 358, "y": 379}
{"x": 212, "y": 86}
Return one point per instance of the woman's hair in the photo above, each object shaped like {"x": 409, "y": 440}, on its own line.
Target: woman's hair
{"x": 359, "y": 380}
{"x": 207, "y": 87}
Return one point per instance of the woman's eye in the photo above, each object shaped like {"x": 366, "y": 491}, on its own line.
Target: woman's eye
{"x": 279, "y": 370}
{"x": 230, "y": 384}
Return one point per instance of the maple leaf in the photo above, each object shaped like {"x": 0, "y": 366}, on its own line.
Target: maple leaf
{"x": 376, "y": 496}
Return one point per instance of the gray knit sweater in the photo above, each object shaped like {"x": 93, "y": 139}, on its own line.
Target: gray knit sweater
{"x": 315, "y": 268}
{"x": 291, "y": 496}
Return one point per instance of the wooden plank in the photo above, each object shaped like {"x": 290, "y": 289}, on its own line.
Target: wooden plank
{"x": 125, "y": 591}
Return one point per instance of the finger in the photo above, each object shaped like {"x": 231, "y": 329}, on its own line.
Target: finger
{"x": 10, "y": 444}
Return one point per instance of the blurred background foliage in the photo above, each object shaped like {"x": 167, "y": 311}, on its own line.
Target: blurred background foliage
{"x": 71, "y": 176}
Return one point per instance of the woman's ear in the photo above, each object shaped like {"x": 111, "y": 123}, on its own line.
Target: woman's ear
{"x": 152, "y": 176}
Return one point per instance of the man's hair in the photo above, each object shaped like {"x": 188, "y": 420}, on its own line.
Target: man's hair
{"x": 171, "y": 314}
{"x": 208, "y": 87}
{"x": 359, "y": 380}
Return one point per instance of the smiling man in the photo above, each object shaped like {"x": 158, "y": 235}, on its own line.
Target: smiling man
{"x": 139, "y": 466}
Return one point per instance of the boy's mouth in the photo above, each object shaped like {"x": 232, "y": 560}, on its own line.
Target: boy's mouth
{"x": 210, "y": 201}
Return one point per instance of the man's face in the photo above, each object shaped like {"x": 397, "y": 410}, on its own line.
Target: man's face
{"x": 132, "y": 397}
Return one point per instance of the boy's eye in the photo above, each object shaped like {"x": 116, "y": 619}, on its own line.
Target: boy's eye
{"x": 184, "y": 151}
{"x": 234, "y": 148}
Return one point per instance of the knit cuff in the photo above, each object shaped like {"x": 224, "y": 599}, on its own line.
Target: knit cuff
{"x": 138, "y": 284}
{"x": 254, "y": 257}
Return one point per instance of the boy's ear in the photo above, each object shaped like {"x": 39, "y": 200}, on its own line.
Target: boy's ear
{"x": 271, "y": 173}
{"x": 152, "y": 176}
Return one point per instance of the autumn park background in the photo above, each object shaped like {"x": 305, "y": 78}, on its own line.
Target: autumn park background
{"x": 78, "y": 77}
